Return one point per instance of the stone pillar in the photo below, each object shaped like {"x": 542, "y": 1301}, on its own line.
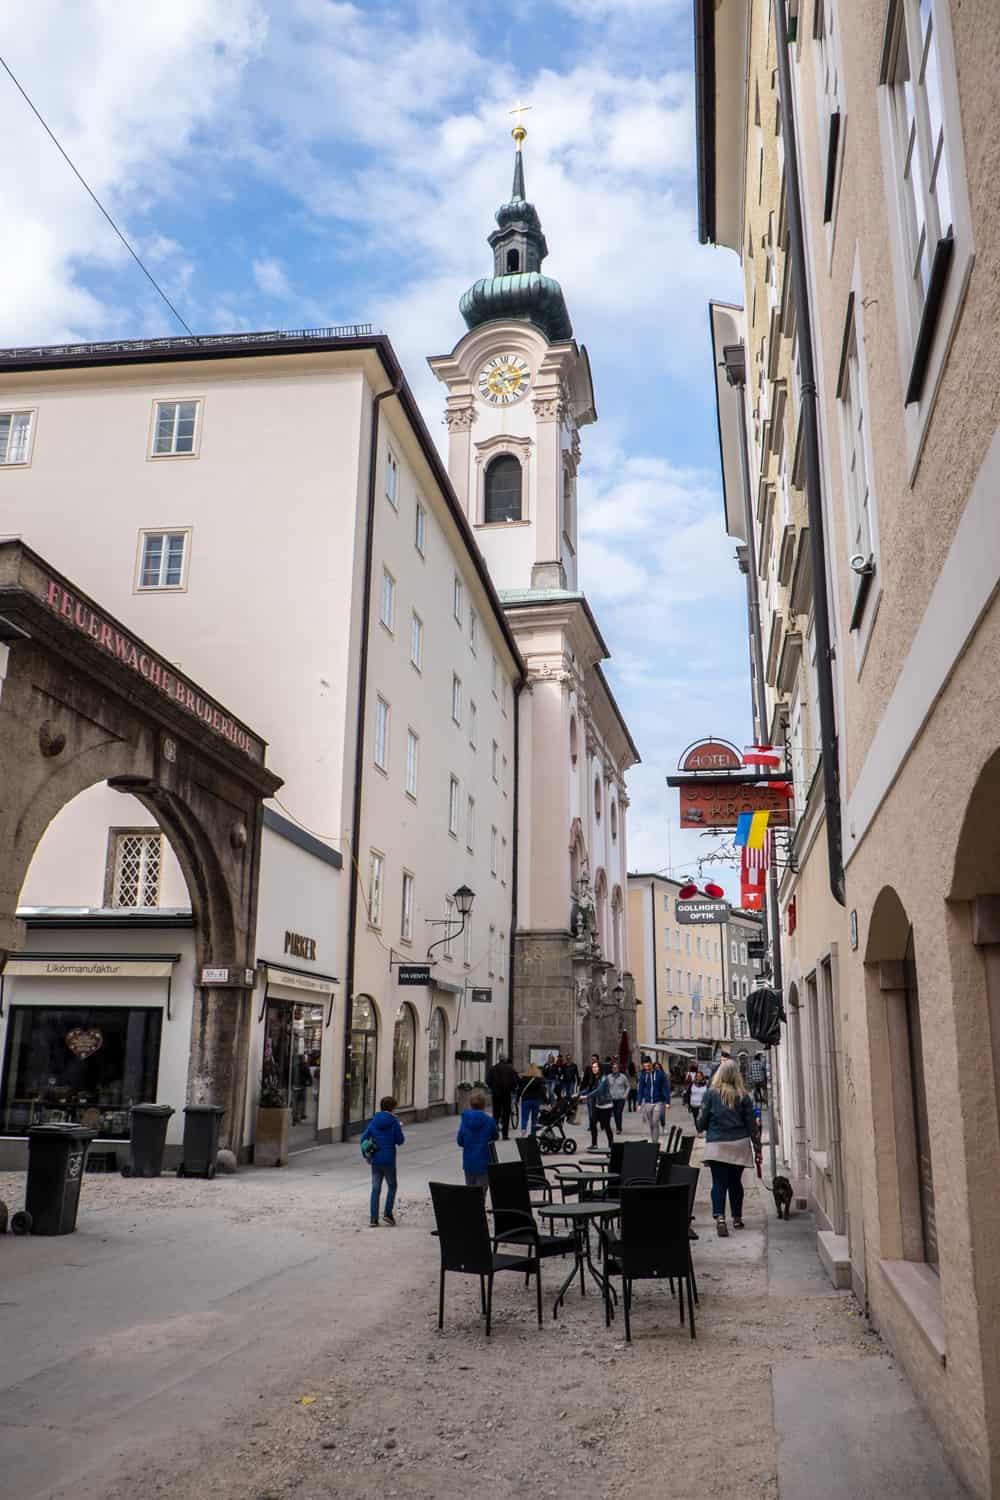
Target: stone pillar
{"x": 220, "y": 1052}
{"x": 547, "y": 571}
{"x": 459, "y": 417}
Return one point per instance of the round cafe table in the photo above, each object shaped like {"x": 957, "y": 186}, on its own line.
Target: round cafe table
{"x": 586, "y": 1181}
{"x": 581, "y": 1216}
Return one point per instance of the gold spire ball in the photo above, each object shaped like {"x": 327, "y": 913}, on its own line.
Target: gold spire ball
{"x": 519, "y": 131}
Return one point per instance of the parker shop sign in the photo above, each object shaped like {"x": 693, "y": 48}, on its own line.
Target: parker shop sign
{"x": 702, "y": 913}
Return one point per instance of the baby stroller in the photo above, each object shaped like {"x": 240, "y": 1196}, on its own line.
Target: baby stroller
{"x": 551, "y": 1136}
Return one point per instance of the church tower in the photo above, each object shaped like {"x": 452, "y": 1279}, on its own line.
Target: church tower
{"x": 519, "y": 391}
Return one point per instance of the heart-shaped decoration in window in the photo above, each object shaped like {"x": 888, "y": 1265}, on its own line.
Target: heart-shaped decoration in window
{"x": 84, "y": 1041}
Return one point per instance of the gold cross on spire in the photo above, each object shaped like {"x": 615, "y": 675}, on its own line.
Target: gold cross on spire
{"x": 519, "y": 131}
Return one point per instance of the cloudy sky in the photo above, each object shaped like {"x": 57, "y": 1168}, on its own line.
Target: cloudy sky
{"x": 312, "y": 162}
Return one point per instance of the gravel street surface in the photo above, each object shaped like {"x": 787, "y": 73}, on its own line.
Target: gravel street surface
{"x": 252, "y": 1337}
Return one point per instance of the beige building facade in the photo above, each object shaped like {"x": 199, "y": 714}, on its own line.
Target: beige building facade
{"x": 890, "y": 1058}
{"x": 682, "y": 971}
{"x": 271, "y": 511}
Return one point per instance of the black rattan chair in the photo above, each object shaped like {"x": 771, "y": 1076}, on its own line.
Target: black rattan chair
{"x": 631, "y": 1162}
{"x": 680, "y": 1154}
{"x": 530, "y": 1153}
{"x": 468, "y": 1250}
{"x": 653, "y": 1246}
{"x": 513, "y": 1219}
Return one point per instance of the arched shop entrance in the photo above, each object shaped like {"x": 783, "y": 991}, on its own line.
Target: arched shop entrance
{"x": 364, "y": 1061}
{"x": 404, "y": 1047}
{"x": 83, "y": 700}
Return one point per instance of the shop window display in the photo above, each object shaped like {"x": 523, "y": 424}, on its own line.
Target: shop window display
{"x": 82, "y": 1064}
{"x": 403, "y": 1048}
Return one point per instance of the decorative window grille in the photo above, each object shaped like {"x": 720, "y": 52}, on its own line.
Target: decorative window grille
{"x": 138, "y": 858}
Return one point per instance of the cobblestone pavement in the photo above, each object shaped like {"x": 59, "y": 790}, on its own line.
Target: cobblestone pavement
{"x": 252, "y": 1337}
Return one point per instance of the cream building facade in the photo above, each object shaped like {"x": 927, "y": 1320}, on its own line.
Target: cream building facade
{"x": 878, "y": 119}
{"x": 271, "y": 511}
{"x": 519, "y": 393}
{"x": 681, "y": 970}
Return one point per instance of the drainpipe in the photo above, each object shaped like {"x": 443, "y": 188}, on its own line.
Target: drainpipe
{"x": 359, "y": 751}
{"x": 814, "y": 493}
{"x": 511, "y": 949}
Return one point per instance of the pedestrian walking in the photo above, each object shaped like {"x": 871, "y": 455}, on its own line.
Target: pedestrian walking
{"x": 383, "y": 1134}
{"x": 531, "y": 1098}
{"x": 618, "y": 1088}
{"x": 696, "y": 1096}
{"x": 571, "y": 1078}
{"x": 597, "y": 1092}
{"x": 732, "y": 1141}
{"x": 502, "y": 1082}
{"x": 758, "y": 1078}
{"x": 633, "y": 1087}
{"x": 476, "y": 1135}
{"x": 654, "y": 1096}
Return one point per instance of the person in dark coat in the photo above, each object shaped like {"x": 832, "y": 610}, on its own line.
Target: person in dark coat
{"x": 502, "y": 1082}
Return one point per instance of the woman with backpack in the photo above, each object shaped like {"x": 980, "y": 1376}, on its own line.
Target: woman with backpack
{"x": 731, "y": 1141}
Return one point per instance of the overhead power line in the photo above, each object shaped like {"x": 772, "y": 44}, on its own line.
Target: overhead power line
{"x": 86, "y": 186}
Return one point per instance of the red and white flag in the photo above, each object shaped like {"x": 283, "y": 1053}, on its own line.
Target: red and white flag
{"x": 754, "y": 864}
{"x": 771, "y": 756}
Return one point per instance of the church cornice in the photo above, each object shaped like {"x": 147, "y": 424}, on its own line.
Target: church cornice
{"x": 460, "y": 418}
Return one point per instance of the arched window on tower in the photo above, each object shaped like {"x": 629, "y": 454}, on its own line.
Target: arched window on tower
{"x": 503, "y": 490}
{"x": 513, "y": 261}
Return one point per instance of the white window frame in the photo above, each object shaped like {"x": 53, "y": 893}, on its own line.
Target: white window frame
{"x": 470, "y": 824}
{"x": 467, "y": 942}
{"x": 380, "y": 734}
{"x": 458, "y": 599}
{"x": 392, "y": 478}
{"x": 504, "y": 696}
{"x": 416, "y": 642}
{"x": 473, "y": 632}
{"x": 501, "y": 955}
{"x": 21, "y": 418}
{"x": 496, "y": 677}
{"x": 503, "y": 774}
{"x": 376, "y": 887}
{"x": 495, "y": 761}
{"x": 670, "y": 985}
{"x": 154, "y": 422}
{"x": 503, "y": 859}
{"x": 456, "y": 698}
{"x": 491, "y": 952}
{"x": 473, "y": 724}
{"x": 163, "y": 532}
{"x": 829, "y": 102}
{"x": 406, "y": 908}
{"x": 412, "y": 763}
{"x": 860, "y": 503}
{"x": 420, "y": 528}
{"x": 902, "y": 224}
{"x": 447, "y": 946}
{"x": 387, "y": 601}
{"x": 453, "y": 806}
{"x": 494, "y": 836}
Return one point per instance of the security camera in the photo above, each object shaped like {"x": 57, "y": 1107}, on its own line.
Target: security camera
{"x": 864, "y": 566}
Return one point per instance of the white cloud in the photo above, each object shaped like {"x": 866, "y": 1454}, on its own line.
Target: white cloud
{"x": 270, "y": 277}
{"x": 125, "y": 89}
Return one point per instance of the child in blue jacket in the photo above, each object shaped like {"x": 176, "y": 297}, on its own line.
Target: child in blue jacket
{"x": 476, "y": 1135}
{"x": 386, "y": 1133}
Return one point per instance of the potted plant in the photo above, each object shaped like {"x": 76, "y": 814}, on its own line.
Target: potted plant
{"x": 274, "y": 1117}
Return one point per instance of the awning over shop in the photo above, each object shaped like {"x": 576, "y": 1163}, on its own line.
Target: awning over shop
{"x": 299, "y": 986}
{"x": 89, "y": 966}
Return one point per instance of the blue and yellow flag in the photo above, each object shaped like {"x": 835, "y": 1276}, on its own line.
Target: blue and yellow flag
{"x": 743, "y": 825}
{"x": 758, "y": 828}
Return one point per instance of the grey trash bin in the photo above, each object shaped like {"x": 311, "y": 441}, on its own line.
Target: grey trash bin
{"x": 57, "y": 1157}
{"x": 201, "y": 1139}
{"x": 148, "y": 1138}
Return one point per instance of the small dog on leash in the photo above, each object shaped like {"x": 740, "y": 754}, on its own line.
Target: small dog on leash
{"x": 782, "y": 1190}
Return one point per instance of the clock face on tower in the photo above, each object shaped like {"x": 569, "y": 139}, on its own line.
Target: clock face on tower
{"x": 503, "y": 379}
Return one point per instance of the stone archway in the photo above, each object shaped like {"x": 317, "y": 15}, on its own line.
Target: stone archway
{"x": 84, "y": 700}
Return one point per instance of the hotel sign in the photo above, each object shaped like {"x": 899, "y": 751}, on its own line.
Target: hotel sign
{"x": 175, "y": 689}
{"x": 718, "y": 804}
{"x": 711, "y": 755}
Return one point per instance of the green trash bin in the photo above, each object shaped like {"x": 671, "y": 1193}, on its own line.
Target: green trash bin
{"x": 201, "y": 1139}
{"x": 57, "y": 1159}
{"x": 147, "y": 1140}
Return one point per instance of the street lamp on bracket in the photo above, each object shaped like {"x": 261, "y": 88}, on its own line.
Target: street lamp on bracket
{"x": 463, "y": 899}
